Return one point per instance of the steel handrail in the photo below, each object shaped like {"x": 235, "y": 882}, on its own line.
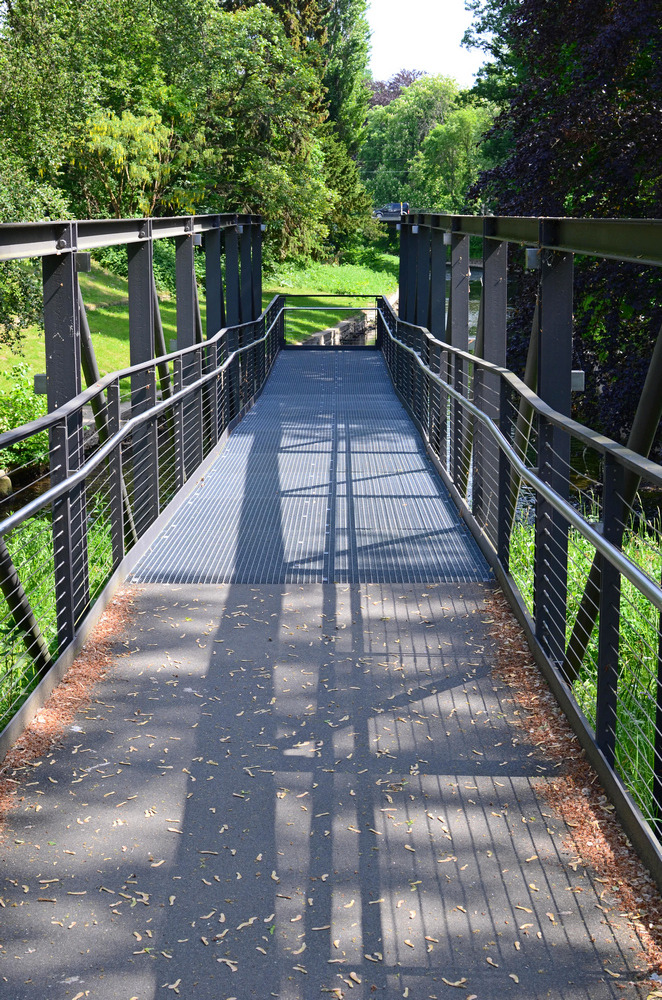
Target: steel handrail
{"x": 625, "y": 566}
{"x": 102, "y": 453}
{"x": 18, "y": 434}
{"x": 643, "y": 467}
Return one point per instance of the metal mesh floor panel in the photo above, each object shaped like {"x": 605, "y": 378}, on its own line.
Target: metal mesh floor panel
{"x": 325, "y": 480}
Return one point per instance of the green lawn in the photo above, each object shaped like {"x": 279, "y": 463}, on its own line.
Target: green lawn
{"x": 319, "y": 279}
{"x": 107, "y": 303}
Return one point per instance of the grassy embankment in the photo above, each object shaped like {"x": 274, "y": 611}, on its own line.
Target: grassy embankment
{"x": 107, "y": 302}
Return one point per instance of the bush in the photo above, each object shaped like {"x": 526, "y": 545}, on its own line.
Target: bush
{"x": 19, "y": 405}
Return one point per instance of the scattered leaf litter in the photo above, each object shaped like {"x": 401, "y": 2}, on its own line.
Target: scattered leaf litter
{"x": 575, "y": 791}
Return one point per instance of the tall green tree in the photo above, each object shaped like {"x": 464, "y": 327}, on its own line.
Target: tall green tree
{"x": 23, "y": 199}
{"x": 396, "y": 132}
{"x": 347, "y": 55}
{"x": 450, "y": 160}
{"x": 582, "y": 131}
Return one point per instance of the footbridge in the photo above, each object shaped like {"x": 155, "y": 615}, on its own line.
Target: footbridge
{"x": 304, "y": 773}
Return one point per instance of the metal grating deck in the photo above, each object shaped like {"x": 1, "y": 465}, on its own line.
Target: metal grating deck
{"x": 325, "y": 480}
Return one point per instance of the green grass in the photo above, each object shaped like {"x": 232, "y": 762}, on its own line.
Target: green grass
{"x": 379, "y": 277}
{"x": 638, "y": 650}
{"x": 106, "y": 299}
{"x": 31, "y": 548}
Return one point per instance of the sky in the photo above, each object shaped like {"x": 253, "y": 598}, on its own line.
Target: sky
{"x": 421, "y": 34}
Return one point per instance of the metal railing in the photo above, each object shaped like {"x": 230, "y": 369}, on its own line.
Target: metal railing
{"x": 114, "y": 455}
{"x": 569, "y": 519}
{"x": 58, "y": 550}
{"x": 347, "y": 325}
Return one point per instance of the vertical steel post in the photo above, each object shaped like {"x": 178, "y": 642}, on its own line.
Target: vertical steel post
{"x": 423, "y": 276}
{"x": 213, "y": 283}
{"x": 233, "y": 315}
{"x": 493, "y": 320}
{"x": 178, "y": 380}
{"x": 437, "y": 285}
{"x": 422, "y": 318}
{"x": 144, "y": 443}
{"x": 403, "y": 264}
{"x": 554, "y": 386}
{"x": 437, "y": 328}
{"x": 246, "y": 279}
{"x": 610, "y": 612}
{"x": 214, "y": 322}
{"x": 257, "y": 268}
{"x": 63, "y": 375}
{"x": 186, "y": 337}
{"x": 459, "y": 337}
{"x": 185, "y": 279}
{"x": 116, "y": 479}
{"x": 503, "y": 521}
{"x": 379, "y": 325}
{"x": 412, "y": 259}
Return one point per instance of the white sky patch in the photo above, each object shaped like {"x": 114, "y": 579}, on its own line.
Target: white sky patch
{"x": 421, "y": 34}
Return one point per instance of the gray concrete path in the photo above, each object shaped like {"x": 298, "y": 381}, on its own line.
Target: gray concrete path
{"x": 294, "y": 791}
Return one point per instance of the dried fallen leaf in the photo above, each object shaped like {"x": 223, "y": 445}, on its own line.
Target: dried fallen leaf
{"x": 490, "y": 961}
{"x": 231, "y": 965}
{"x": 514, "y": 977}
{"x": 458, "y": 983}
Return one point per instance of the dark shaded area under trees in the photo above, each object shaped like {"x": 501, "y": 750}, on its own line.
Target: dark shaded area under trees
{"x": 580, "y": 87}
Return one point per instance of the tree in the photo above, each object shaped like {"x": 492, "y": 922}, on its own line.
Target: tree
{"x": 396, "y": 132}
{"x": 303, "y": 20}
{"x": 23, "y": 200}
{"x": 347, "y": 51}
{"x": 350, "y": 219}
{"x": 450, "y": 159}
{"x": 582, "y": 128}
{"x": 385, "y": 91}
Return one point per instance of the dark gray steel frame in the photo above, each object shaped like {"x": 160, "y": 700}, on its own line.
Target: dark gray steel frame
{"x": 413, "y": 353}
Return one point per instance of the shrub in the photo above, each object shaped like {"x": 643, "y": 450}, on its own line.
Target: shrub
{"x": 19, "y": 405}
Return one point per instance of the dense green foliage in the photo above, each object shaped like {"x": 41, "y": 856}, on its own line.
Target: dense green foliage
{"x": 22, "y": 197}
{"x": 424, "y": 146}
{"x": 19, "y": 405}
{"x": 639, "y": 624}
{"x": 580, "y": 88}
{"x": 347, "y": 51}
{"x": 152, "y": 107}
